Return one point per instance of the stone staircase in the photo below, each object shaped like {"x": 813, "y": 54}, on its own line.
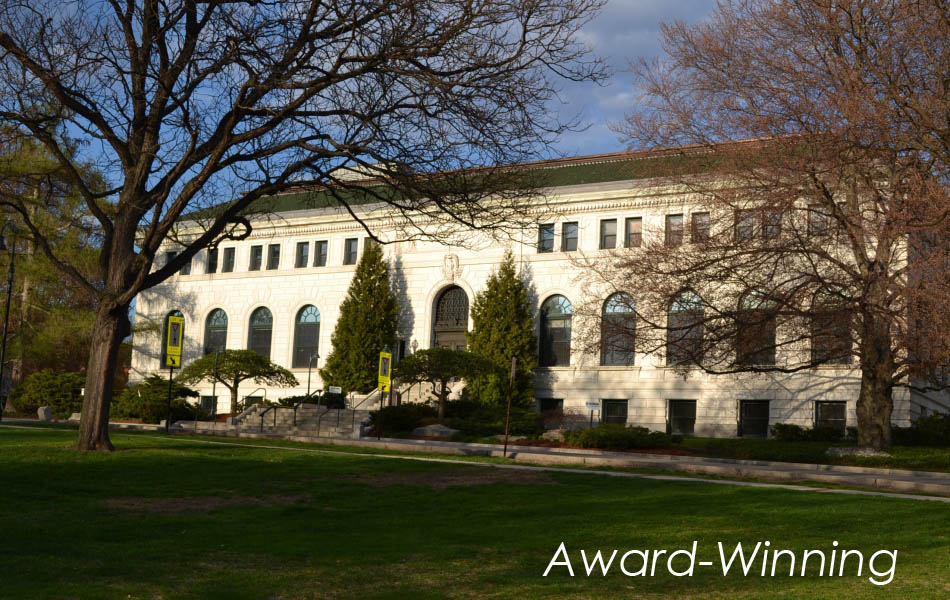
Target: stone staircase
{"x": 308, "y": 420}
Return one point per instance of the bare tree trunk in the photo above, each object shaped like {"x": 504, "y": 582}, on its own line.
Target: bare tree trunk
{"x": 234, "y": 398}
{"x": 112, "y": 326}
{"x": 875, "y": 403}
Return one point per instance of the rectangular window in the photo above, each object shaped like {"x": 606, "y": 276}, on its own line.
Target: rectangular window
{"x": 615, "y": 411}
{"x": 745, "y": 225}
{"x": 682, "y": 417}
{"x": 186, "y": 268}
{"x": 320, "y": 253}
{"x": 257, "y": 256}
{"x": 832, "y": 415}
{"x": 819, "y": 220}
{"x": 302, "y": 258}
{"x": 212, "y": 265}
{"x": 546, "y": 237}
{"x": 674, "y": 230}
{"x": 228, "y": 265}
{"x": 633, "y": 234}
{"x": 170, "y": 256}
{"x": 754, "y": 418}
{"x": 608, "y": 234}
{"x": 771, "y": 224}
{"x": 700, "y": 228}
{"x": 350, "y": 250}
{"x": 273, "y": 256}
{"x": 207, "y": 402}
{"x": 549, "y": 404}
{"x": 569, "y": 237}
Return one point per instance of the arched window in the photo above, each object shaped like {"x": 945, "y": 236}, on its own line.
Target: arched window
{"x": 684, "y": 330}
{"x": 306, "y": 335}
{"x": 755, "y": 330}
{"x": 617, "y": 330}
{"x": 259, "y": 334}
{"x": 216, "y": 331}
{"x": 451, "y": 319}
{"x": 556, "y": 332}
{"x": 830, "y": 329}
{"x": 174, "y": 313}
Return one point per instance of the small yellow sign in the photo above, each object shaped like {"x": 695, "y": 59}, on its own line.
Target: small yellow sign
{"x": 173, "y": 342}
{"x": 385, "y": 366}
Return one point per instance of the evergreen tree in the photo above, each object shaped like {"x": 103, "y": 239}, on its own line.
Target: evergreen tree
{"x": 367, "y": 323}
{"x": 502, "y": 329}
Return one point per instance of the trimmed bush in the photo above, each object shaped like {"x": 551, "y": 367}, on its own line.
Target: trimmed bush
{"x": 929, "y": 431}
{"x": 617, "y": 437}
{"x": 148, "y": 401}
{"x": 403, "y": 418}
{"x": 60, "y": 390}
{"x": 786, "y": 432}
{"x": 473, "y": 418}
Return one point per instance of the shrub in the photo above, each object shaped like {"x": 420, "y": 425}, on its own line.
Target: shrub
{"x": 928, "y": 431}
{"x": 472, "y": 418}
{"x": 786, "y": 432}
{"x": 148, "y": 401}
{"x": 402, "y": 418}
{"x": 617, "y": 437}
{"x": 60, "y": 390}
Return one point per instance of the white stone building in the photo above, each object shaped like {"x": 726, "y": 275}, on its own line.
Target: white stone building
{"x": 297, "y": 267}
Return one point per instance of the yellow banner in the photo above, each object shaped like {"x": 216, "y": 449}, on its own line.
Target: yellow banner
{"x": 173, "y": 341}
{"x": 385, "y": 367}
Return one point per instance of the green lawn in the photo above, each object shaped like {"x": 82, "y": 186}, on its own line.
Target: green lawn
{"x": 177, "y": 518}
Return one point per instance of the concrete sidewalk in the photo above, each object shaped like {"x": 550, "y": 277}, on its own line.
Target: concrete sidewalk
{"x": 917, "y": 482}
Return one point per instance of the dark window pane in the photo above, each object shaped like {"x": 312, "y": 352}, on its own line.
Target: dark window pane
{"x": 546, "y": 238}
{"x": 700, "y": 232}
{"x": 306, "y": 336}
{"x": 569, "y": 237}
{"x": 755, "y": 331}
{"x": 819, "y": 220}
{"x": 257, "y": 255}
{"x": 830, "y": 332}
{"x": 682, "y": 416}
{"x": 320, "y": 253}
{"x": 273, "y": 257}
{"x": 260, "y": 330}
{"x": 634, "y": 232}
{"x": 771, "y": 224}
{"x": 350, "y": 249}
{"x": 674, "y": 230}
{"x": 548, "y": 404}
{"x": 608, "y": 234}
{"x": 186, "y": 268}
{"x": 212, "y": 266}
{"x": 216, "y": 331}
{"x": 303, "y": 255}
{"x": 618, "y": 328}
{"x": 228, "y": 265}
{"x": 832, "y": 415}
{"x": 684, "y": 332}
{"x": 555, "y": 340}
{"x": 614, "y": 411}
{"x": 754, "y": 418}
{"x": 745, "y": 225}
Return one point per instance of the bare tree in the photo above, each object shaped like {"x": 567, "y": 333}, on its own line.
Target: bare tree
{"x": 823, "y": 237}
{"x": 186, "y": 105}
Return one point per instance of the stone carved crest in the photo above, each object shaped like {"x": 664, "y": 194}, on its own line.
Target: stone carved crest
{"x": 451, "y": 269}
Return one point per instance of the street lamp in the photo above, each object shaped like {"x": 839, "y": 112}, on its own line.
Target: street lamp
{"x": 6, "y": 318}
{"x": 313, "y": 356}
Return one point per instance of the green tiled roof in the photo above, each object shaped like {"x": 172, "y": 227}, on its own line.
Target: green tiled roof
{"x": 550, "y": 174}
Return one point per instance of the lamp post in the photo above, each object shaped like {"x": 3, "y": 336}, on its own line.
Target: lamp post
{"x": 6, "y": 318}
{"x": 313, "y": 356}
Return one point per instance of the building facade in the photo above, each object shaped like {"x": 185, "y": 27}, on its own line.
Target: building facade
{"x": 279, "y": 292}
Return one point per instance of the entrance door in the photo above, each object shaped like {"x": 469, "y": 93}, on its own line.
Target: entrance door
{"x": 451, "y": 319}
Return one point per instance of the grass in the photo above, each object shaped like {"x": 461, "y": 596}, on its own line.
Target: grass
{"x": 176, "y": 518}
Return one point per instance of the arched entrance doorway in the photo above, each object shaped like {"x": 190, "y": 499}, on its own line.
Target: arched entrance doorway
{"x": 451, "y": 319}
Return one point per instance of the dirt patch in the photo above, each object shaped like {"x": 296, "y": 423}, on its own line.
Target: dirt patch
{"x": 461, "y": 477}
{"x": 199, "y": 504}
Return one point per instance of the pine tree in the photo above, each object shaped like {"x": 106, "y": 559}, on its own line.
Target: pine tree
{"x": 501, "y": 329}
{"x": 366, "y": 325}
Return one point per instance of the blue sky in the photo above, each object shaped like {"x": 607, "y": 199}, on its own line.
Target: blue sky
{"x": 623, "y": 31}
